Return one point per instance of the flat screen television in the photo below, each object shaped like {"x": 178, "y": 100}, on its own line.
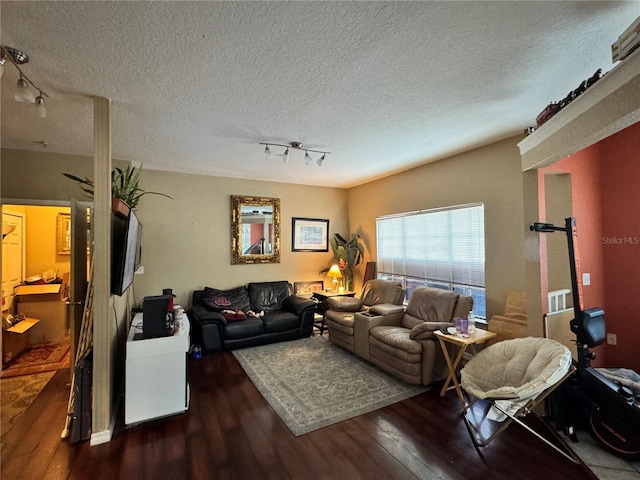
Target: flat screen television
{"x": 126, "y": 250}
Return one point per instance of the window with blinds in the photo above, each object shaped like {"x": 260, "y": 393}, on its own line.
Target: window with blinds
{"x": 441, "y": 248}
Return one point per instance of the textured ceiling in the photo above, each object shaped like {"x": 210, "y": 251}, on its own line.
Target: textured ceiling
{"x": 383, "y": 86}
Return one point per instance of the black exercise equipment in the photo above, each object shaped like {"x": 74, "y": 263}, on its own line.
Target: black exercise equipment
{"x": 610, "y": 412}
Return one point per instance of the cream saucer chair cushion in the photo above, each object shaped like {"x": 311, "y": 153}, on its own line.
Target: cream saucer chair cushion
{"x": 339, "y": 318}
{"x": 516, "y": 369}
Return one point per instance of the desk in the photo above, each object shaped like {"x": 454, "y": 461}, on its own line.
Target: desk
{"x": 480, "y": 336}
{"x": 321, "y": 298}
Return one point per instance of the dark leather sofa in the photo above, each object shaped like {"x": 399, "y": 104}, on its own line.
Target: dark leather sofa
{"x": 284, "y": 316}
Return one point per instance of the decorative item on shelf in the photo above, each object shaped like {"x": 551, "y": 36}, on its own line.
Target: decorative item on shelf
{"x": 335, "y": 273}
{"x": 23, "y": 94}
{"x": 285, "y": 156}
{"x": 554, "y": 107}
{"x": 348, "y": 254}
{"x": 627, "y": 42}
{"x": 124, "y": 188}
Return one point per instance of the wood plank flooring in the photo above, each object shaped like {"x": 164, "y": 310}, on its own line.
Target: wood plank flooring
{"x": 231, "y": 432}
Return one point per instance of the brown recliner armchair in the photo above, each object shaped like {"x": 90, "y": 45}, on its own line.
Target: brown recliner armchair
{"x": 340, "y": 316}
{"x": 404, "y": 345}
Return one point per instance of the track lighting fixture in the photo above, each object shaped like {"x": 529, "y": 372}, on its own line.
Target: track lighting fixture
{"x": 24, "y": 92}
{"x": 296, "y": 146}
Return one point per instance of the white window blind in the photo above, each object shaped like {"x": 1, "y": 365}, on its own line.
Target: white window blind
{"x": 442, "y": 248}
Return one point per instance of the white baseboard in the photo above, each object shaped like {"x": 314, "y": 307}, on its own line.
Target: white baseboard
{"x": 100, "y": 437}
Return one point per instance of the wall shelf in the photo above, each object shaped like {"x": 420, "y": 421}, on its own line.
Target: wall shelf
{"x": 610, "y": 105}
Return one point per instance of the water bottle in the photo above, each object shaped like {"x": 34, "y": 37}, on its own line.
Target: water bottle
{"x": 196, "y": 352}
{"x": 471, "y": 321}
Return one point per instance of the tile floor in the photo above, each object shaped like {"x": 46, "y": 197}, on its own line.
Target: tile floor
{"x": 604, "y": 465}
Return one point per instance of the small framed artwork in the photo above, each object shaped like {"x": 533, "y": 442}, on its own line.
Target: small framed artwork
{"x": 309, "y": 235}
{"x": 63, "y": 234}
{"x": 301, "y": 288}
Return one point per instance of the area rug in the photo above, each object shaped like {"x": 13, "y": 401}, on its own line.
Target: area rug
{"x": 17, "y": 393}
{"x": 311, "y": 383}
{"x": 45, "y": 357}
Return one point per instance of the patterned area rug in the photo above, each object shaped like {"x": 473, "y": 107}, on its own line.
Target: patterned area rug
{"x": 17, "y": 393}
{"x": 45, "y": 357}
{"x": 311, "y": 383}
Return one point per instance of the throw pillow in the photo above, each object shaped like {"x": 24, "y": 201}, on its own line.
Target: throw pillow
{"x": 233, "y": 299}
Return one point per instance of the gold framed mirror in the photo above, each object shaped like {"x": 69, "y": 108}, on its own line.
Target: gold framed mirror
{"x": 255, "y": 230}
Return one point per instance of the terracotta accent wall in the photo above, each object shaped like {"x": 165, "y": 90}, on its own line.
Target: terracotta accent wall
{"x": 606, "y": 205}
{"x": 584, "y": 168}
{"x": 620, "y": 180}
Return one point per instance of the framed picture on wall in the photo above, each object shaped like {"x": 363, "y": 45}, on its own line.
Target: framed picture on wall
{"x": 309, "y": 235}
{"x": 302, "y": 288}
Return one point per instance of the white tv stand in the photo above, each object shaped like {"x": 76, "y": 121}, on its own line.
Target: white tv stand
{"x": 156, "y": 373}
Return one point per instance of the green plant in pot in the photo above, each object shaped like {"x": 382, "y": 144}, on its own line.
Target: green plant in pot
{"x": 348, "y": 254}
{"x": 124, "y": 186}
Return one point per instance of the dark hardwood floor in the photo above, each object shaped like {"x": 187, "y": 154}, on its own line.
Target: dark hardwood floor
{"x": 230, "y": 432}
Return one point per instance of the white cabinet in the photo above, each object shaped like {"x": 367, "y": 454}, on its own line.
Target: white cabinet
{"x": 156, "y": 373}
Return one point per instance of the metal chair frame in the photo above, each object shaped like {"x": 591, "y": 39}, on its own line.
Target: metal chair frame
{"x": 524, "y": 410}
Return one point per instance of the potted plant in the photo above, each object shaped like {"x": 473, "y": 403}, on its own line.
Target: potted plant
{"x": 348, "y": 254}
{"x": 124, "y": 188}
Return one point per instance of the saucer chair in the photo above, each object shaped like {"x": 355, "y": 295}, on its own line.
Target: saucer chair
{"x": 513, "y": 377}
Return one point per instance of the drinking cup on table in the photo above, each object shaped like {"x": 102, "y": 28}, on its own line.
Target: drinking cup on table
{"x": 464, "y": 327}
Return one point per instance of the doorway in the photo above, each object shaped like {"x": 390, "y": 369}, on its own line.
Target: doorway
{"x": 38, "y": 291}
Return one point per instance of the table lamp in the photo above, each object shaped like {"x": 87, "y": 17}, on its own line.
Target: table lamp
{"x": 334, "y": 272}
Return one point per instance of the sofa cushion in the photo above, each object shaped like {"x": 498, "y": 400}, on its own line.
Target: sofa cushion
{"x": 408, "y": 355}
{"x": 429, "y": 305}
{"x": 280, "y": 321}
{"x": 382, "y": 291}
{"x": 267, "y": 296}
{"x": 236, "y": 299}
{"x": 397, "y": 338}
{"x": 247, "y": 328}
{"x": 341, "y": 318}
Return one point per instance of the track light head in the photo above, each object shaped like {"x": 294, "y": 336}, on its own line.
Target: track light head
{"x": 285, "y": 156}
{"x": 41, "y": 111}
{"x": 268, "y": 156}
{"x": 320, "y": 161}
{"x": 23, "y": 93}
{"x": 17, "y": 56}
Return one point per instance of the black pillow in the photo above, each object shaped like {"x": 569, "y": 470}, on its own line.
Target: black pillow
{"x": 218, "y": 300}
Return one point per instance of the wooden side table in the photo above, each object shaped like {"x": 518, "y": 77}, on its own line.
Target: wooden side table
{"x": 321, "y": 298}
{"x": 479, "y": 337}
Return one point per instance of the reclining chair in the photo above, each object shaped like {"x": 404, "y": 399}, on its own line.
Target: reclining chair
{"x": 403, "y": 343}
{"x": 513, "y": 377}
{"x": 340, "y": 316}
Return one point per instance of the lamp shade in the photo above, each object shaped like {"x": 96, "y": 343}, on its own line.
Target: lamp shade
{"x": 334, "y": 272}
{"x": 23, "y": 93}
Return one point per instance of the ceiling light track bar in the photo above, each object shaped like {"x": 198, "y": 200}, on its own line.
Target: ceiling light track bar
{"x": 18, "y": 57}
{"x": 296, "y": 145}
